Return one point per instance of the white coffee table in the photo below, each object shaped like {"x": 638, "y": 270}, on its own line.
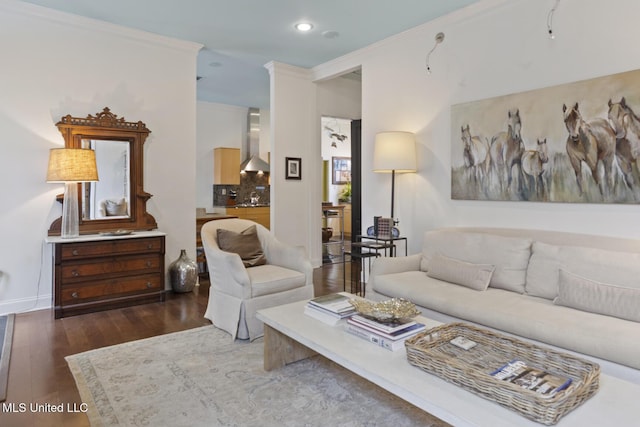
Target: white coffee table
{"x": 290, "y": 336}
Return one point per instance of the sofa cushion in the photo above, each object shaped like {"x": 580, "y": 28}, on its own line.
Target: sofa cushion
{"x": 270, "y": 279}
{"x": 611, "y": 267}
{"x": 523, "y": 315}
{"x": 510, "y": 255}
{"x": 246, "y": 244}
{"x": 474, "y": 276}
{"x": 416, "y": 287}
{"x": 588, "y": 295}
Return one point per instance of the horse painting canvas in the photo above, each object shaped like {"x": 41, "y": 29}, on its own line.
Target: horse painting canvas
{"x": 576, "y": 143}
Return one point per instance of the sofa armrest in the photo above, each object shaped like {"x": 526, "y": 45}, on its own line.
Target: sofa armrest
{"x": 288, "y": 256}
{"x": 388, "y": 265}
{"x": 227, "y": 273}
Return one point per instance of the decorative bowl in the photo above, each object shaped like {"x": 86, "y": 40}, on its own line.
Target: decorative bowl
{"x": 393, "y": 310}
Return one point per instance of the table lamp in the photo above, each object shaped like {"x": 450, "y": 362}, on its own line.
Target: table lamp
{"x": 394, "y": 152}
{"x": 71, "y": 166}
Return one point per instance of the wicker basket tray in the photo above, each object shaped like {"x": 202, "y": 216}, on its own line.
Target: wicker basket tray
{"x": 470, "y": 369}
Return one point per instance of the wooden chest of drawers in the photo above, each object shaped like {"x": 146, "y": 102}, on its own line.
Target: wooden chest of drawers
{"x": 101, "y": 274}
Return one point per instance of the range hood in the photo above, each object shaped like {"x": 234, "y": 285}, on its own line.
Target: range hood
{"x": 253, "y": 162}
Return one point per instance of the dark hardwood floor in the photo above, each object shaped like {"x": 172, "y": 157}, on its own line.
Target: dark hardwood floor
{"x": 38, "y": 372}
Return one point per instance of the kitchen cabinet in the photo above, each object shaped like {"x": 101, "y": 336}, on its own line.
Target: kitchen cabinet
{"x": 226, "y": 166}
{"x": 259, "y": 214}
{"x": 94, "y": 272}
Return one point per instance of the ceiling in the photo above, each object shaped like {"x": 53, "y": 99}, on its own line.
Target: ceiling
{"x": 240, "y": 36}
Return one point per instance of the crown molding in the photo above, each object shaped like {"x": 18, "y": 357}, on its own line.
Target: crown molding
{"x": 341, "y": 65}
{"x": 95, "y": 25}
{"x": 281, "y": 68}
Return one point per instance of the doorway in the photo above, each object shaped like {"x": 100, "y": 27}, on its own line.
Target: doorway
{"x": 340, "y": 104}
{"x": 337, "y": 181}
{"x": 341, "y": 186}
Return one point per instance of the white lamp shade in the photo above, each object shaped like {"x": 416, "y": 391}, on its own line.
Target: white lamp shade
{"x": 394, "y": 151}
{"x": 72, "y": 165}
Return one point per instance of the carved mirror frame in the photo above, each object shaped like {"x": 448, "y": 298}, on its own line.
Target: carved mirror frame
{"x": 107, "y": 126}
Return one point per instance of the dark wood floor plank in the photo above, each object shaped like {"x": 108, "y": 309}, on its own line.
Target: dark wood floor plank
{"x": 38, "y": 372}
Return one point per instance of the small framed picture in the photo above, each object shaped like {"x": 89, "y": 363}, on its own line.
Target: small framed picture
{"x": 340, "y": 170}
{"x": 294, "y": 168}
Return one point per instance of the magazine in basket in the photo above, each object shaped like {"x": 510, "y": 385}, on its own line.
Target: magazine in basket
{"x": 542, "y": 382}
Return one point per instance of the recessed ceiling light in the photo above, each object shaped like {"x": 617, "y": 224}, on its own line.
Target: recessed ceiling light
{"x": 303, "y": 26}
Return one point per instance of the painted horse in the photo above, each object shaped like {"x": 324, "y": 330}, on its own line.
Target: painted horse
{"x": 590, "y": 142}
{"x": 475, "y": 154}
{"x": 533, "y": 162}
{"x": 507, "y": 149}
{"x": 626, "y": 125}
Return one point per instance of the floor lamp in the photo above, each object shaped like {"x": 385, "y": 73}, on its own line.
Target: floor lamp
{"x": 394, "y": 152}
{"x": 71, "y": 166}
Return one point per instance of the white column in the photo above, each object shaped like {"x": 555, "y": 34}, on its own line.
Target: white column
{"x": 295, "y": 204}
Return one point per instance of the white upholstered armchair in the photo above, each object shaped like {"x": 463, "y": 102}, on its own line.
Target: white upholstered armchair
{"x": 237, "y": 292}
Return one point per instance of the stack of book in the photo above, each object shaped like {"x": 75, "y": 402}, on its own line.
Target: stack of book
{"x": 390, "y": 335}
{"x": 330, "y": 309}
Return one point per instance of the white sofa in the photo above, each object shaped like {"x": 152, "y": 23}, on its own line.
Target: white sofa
{"x": 524, "y": 269}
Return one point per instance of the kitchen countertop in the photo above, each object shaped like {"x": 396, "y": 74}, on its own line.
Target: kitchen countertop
{"x": 214, "y": 216}
{"x": 244, "y": 205}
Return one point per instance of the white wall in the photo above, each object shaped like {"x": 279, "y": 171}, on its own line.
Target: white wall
{"x": 294, "y": 133}
{"x": 265, "y": 135}
{"x": 339, "y": 97}
{"x": 218, "y": 125}
{"x": 222, "y": 125}
{"x": 55, "y": 64}
{"x": 297, "y": 105}
{"x": 492, "y": 48}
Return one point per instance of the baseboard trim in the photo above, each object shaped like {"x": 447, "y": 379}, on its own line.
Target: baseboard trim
{"x": 23, "y": 305}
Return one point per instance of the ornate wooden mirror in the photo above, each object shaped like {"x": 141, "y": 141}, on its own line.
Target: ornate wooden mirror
{"x": 118, "y": 200}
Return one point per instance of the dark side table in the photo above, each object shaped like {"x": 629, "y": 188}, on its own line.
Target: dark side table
{"x": 366, "y": 248}
{"x": 379, "y": 243}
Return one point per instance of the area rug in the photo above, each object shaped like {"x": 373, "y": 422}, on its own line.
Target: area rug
{"x": 200, "y": 377}
{"x": 6, "y": 339}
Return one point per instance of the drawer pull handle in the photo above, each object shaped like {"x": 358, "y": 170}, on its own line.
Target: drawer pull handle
{"x": 149, "y": 285}
{"x": 75, "y": 273}
{"x": 150, "y": 246}
{"x": 149, "y": 264}
{"x": 74, "y": 295}
{"x": 74, "y": 252}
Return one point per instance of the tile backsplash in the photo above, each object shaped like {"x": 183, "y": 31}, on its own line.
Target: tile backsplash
{"x": 249, "y": 182}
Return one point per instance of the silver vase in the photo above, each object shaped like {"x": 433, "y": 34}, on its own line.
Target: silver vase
{"x": 183, "y": 273}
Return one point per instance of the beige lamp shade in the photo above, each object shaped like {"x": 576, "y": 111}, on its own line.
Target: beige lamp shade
{"x": 72, "y": 165}
{"x": 394, "y": 151}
